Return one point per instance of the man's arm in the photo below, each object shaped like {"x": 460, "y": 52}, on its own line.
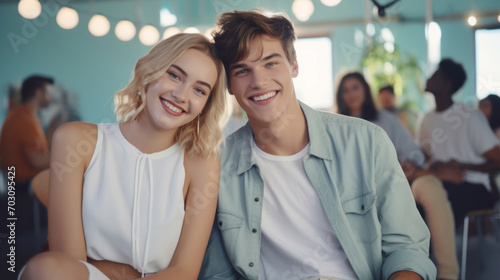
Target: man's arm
{"x": 447, "y": 171}
{"x": 493, "y": 155}
{"x": 488, "y": 167}
{"x": 35, "y": 147}
{"x": 405, "y": 237}
{"x": 491, "y": 166}
{"x": 38, "y": 160}
{"x": 443, "y": 171}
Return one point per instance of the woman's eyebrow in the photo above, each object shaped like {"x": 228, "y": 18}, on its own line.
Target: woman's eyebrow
{"x": 186, "y": 75}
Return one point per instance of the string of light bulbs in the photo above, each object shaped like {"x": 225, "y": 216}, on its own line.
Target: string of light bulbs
{"x": 99, "y": 25}
{"x": 125, "y": 30}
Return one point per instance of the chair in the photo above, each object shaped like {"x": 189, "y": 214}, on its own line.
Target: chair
{"x": 492, "y": 214}
{"x": 40, "y": 186}
{"x": 40, "y": 182}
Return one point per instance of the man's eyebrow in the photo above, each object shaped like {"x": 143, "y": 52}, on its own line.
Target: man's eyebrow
{"x": 186, "y": 75}
{"x": 238, "y": 65}
{"x": 243, "y": 65}
{"x": 271, "y": 56}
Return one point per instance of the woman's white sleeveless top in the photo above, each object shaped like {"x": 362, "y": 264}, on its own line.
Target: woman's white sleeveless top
{"x": 133, "y": 205}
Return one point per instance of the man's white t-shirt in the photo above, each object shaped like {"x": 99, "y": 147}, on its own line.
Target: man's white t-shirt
{"x": 459, "y": 133}
{"x": 297, "y": 239}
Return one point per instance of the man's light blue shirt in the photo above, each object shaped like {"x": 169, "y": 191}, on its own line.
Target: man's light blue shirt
{"x": 353, "y": 167}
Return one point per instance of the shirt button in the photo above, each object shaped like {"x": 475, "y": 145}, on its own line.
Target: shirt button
{"x": 256, "y": 199}
{"x": 250, "y": 264}
{"x": 362, "y": 207}
{"x": 220, "y": 223}
{"x": 254, "y": 230}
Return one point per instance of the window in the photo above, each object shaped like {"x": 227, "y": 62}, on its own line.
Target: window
{"x": 487, "y": 62}
{"x": 314, "y": 84}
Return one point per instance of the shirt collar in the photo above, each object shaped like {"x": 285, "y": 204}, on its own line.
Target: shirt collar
{"x": 318, "y": 137}
{"x": 319, "y": 146}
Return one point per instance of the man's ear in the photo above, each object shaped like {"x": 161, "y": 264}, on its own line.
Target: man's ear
{"x": 295, "y": 68}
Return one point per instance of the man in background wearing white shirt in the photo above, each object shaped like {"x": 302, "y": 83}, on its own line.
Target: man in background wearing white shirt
{"x": 459, "y": 143}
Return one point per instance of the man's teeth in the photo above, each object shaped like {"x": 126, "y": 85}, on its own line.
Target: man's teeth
{"x": 172, "y": 107}
{"x": 264, "y": 96}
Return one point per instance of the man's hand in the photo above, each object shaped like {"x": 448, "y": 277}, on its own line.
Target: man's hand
{"x": 409, "y": 168}
{"x": 448, "y": 171}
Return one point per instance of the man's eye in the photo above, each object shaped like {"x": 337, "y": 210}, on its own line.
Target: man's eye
{"x": 240, "y": 72}
{"x": 271, "y": 64}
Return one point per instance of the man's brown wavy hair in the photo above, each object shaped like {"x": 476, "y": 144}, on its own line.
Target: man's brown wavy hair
{"x": 235, "y": 30}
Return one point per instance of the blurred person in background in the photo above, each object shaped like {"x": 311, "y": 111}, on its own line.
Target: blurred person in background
{"x": 23, "y": 144}
{"x": 458, "y": 137}
{"x": 490, "y": 106}
{"x": 354, "y": 98}
{"x": 388, "y": 101}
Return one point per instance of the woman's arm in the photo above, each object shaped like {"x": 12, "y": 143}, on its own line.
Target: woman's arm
{"x": 68, "y": 162}
{"x": 201, "y": 202}
{"x": 114, "y": 270}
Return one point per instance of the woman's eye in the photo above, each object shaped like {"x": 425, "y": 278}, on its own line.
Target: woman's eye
{"x": 200, "y": 91}
{"x": 173, "y": 75}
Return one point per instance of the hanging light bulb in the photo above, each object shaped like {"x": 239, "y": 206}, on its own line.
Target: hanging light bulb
{"x": 498, "y": 18}
{"x": 149, "y": 35}
{"x": 67, "y": 18}
{"x": 387, "y": 35}
{"x": 433, "y": 37}
{"x": 433, "y": 31}
{"x": 171, "y": 31}
{"x": 302, "y": 9}
{"x": 472, "y": 20}
{"x": 191, "y": 29}
{"x": 167, "y": 18}
{"x": 99, "y": 25}
{"x": 389, "y": 47}
{"x": 29, "y": 9}
{"x": 125, "y": 30}
{"x": 331, "y": 3}
{"x": 370, "y": 29}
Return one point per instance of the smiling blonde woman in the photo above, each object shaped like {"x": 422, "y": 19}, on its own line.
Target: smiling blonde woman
{"x": 138, "y": 198}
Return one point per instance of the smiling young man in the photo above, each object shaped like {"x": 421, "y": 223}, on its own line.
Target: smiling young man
{"x": 303, "y": 193}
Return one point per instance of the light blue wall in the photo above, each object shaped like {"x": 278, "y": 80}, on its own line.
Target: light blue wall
{"x": 94, "y": 68}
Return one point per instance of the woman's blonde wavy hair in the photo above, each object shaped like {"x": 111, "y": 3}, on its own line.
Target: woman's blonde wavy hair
{"x": 131, "y": 100}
